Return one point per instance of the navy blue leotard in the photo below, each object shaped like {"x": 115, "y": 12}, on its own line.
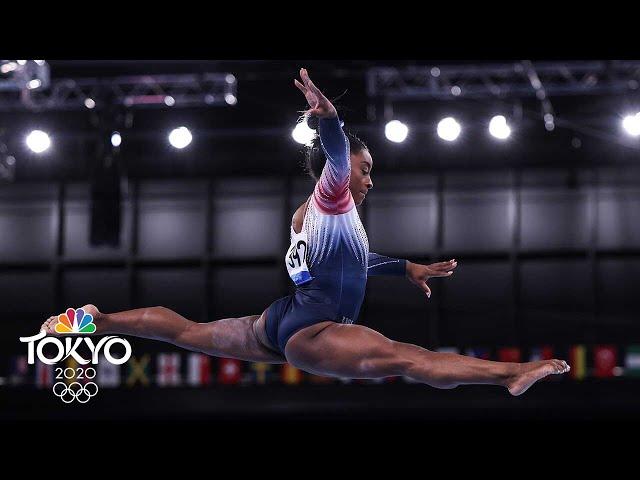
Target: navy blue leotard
{"x": 336, "y": 253}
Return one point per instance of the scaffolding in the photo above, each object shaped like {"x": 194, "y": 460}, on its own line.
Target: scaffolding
{"x": 29, "y": 88}
{"x": 506, "y": 80}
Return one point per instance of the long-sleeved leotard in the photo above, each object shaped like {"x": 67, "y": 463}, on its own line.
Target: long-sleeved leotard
{"x": 329, "y": 260}
{"x": 381, "y": 265}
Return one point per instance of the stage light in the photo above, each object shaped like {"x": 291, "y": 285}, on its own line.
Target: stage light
{"x": 38, "y": 141}
{"x": 396, "y": 131}
{"x": 631, "y": 124}
{"x": 303, "y": 134}
{"x": 499, "y": 128}
{"x": 449, "y": 129}
{"x": 180, "y": 137}
{"x": 8, "y": 67}
{"x": 116, "y": 139}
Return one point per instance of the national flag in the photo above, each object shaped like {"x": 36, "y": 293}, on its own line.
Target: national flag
{"x": 138, "y": 370}
{"x": 168, "y": 370}
{"x": 19, "y": 370}
{"x": 290, "y": 375}
{"x": 478, "y": 352}
{"x": 605, "y": 360}
{"x": 230, "y": 371}
{"x": 107, "y": 374}
{"x": 262, "y": 371}
{"x": 541, "y": 353}
{"x": 578, "y": 362}
{"x": 632, "y": 361}
{"x": 509, "y": 354}
{"x": 199, "y": 369}
{"x": 44, "y": 374}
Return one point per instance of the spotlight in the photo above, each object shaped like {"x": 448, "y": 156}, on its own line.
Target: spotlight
{"x": 230, "y": 98}
{"x": 33, "y": 84}
{"x": 180, "y": 137}
{"x": 38, "y": 141}
{"x": 449, "y": 129}
{"x": 498, "y": 127}
{"x": 303, "y": 134}
{"x": 169, "y": 101}
{"x": 8, "y": 67}
{"x": 89, "y": 103}
{"x": 116, "y": 139}
{"x": 631, "y": 124}
{"x": 396, "y": 131}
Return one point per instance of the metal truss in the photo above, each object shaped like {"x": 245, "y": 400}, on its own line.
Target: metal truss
{"x": 18, "y": 75}
{"x": 168, "y": 91}
{"x": 507, "y": 80}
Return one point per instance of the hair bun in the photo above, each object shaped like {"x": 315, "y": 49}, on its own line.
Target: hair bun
{"x": 313, "y": 122}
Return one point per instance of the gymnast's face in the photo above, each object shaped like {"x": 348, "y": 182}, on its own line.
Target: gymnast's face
{"x": 360, "y": 184}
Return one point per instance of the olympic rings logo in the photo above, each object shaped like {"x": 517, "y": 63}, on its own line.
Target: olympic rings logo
{"x": 75, "y": 391}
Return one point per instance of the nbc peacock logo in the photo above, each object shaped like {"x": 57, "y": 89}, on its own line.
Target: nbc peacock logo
{"x": 76, "y": 379}
{"x": 75, "y": 322}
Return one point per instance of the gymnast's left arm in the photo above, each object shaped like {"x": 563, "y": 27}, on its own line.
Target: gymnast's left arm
{"x": 381, "y": 265}
{"x": 419, "y": 274}
{"x": 416, "y": 273}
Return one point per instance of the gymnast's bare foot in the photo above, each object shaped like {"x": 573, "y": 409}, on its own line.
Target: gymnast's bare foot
{"x": 49, "y": 325}
{"x": 531, "y": 372}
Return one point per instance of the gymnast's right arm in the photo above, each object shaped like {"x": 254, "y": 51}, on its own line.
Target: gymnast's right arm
{"x": 332, "y": 190}
{"x": 331, "y": 193}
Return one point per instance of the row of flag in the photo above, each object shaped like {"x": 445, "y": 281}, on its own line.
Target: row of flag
{"x": 196, "y": 369}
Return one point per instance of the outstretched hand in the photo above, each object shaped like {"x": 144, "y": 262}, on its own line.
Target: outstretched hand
{"x": 419, "y": 274}
{"x": 320, "y": 105}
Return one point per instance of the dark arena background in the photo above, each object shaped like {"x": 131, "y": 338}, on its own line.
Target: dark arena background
{"x": 139, "y": 183}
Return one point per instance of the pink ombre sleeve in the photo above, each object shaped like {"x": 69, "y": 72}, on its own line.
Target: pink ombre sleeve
{"x": 331, "y": 193}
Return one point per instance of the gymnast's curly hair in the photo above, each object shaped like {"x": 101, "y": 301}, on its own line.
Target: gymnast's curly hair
{"x": 314, "y": 157}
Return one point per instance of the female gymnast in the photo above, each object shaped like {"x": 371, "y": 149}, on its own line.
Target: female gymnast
{"x": 329, "y": 261}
